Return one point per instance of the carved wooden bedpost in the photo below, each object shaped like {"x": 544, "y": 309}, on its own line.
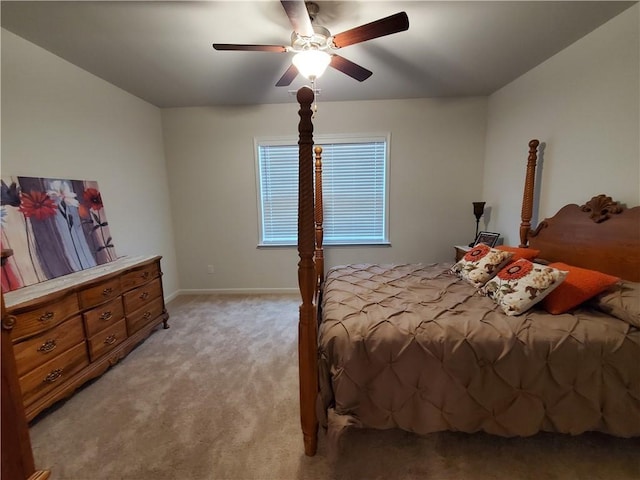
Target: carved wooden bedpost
{"x": 307, "y": 326}
{"x": 319, "y": 218}
{"x": 527, "y": 198}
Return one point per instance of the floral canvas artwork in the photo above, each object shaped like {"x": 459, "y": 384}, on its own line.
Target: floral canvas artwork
{"x": 54, "y": 227}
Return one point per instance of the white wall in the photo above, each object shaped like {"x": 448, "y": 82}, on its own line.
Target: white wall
{"x": 583, "y": 103}
{"x": 60, "y": 121}
{"x": 436, "y": 164}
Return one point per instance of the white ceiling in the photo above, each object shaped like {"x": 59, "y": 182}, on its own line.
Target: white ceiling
{"x": 161, "y": 51}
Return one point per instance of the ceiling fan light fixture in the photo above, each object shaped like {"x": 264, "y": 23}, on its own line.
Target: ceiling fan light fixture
{"x": 311, "y": 63}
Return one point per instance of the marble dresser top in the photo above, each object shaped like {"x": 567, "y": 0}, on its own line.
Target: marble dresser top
{"x": 31, "y": 292}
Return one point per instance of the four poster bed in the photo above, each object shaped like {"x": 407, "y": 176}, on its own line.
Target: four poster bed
{"x": 417, "y": 347}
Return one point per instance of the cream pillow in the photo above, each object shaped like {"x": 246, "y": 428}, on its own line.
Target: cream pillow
{"x": 522, "y": 284}
{"x": 480, "y": 264}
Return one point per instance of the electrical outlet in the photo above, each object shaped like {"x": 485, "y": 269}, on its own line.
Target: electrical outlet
{"x": 210, "y": 269}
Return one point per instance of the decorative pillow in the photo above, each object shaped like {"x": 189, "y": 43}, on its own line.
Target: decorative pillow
{"x": 518, "y": 253}
{"x": 522, "y": 284}
{"x": 480, "y": 264}
{"x": 621, "y": 301}
{"x": 579, "y": 286}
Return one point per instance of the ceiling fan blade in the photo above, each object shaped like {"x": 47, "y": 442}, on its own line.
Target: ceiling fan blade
{"x": 348, "y": 67}
{"x": 288, "y": 77}
{"x": 385, "y": 26}
{"x": 250, "y": 48}
{"x": 298, "y": 16}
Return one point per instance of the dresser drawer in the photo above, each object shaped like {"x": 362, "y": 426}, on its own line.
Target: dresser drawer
{"x": 103, "y": 316}
{"x": 140, "y": 276}
{"x": 100, "y": 293}
{"x": 45, "y": 317}
{"x": 135, "y": 299}
{"x": 144, "y": 315}
{"x": 40, "y": 349}
{"x": 107, "y": 340}
{"x": 53, "y": 373}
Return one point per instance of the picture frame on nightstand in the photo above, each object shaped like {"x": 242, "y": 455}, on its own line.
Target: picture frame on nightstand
{"x": 488, "y": 238}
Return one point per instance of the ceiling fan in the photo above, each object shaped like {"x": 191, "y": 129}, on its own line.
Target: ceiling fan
{"x": 314, "y": 45}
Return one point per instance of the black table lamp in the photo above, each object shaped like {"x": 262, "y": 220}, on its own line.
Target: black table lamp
{"x": 478, "y": 211}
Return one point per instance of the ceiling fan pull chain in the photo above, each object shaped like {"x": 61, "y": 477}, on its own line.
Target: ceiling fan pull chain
{"x": 315, "y": 96}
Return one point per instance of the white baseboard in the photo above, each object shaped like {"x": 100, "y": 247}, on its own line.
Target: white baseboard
{"x": 236, "y": 291}
{"x": 168, "y": 298}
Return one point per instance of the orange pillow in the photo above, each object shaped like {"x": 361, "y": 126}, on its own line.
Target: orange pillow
{"x": 518, "y": 253}
{"x": 579, "y": 286}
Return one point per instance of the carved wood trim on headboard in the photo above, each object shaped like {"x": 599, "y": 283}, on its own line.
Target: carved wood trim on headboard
{"x": 601, "y": 207}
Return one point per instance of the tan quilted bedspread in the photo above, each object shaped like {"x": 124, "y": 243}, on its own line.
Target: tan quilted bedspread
{"x": 414, "y": 347}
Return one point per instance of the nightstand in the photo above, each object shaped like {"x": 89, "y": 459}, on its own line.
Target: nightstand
{"x": 461, "y": 250}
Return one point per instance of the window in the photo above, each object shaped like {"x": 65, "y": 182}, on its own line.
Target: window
{"x": 354, "y": 178}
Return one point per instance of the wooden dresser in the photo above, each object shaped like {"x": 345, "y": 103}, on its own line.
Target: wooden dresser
{"x": 71, "y": 329}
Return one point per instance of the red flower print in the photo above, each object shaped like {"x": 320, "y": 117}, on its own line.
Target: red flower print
{"x": 37, "y": 204}
{"x": 92, "y": 199}
{"x": 477, "y": 252}
{"x": 516, "y": 270}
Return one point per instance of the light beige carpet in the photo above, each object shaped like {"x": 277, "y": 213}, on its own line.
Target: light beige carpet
{"x": 216, "y": 397}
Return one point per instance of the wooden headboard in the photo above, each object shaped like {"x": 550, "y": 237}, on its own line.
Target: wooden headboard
{"x": 600, "y": 235}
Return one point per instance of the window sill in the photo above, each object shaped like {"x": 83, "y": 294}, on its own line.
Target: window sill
{"x": 341, "y": 245}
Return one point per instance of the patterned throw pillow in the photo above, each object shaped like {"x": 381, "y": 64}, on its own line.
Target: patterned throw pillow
{"x": 522, "y": 284}
{"x": 480, "y": 264}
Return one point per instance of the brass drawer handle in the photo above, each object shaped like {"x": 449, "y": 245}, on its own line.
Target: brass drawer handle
{"x": 146, "y": 315}
{"x": 106, "y": 316}
{"x": 46, "y": 316}
{"x": 8, "y": 322}
{"x": 47, "y": 346}
{"x": 145, "y": 275}
{"x": 53, "y": 376}
{"x": 107, "y": 291}
{"x": 110, "y": 340}
{"x": 144, "y": 295}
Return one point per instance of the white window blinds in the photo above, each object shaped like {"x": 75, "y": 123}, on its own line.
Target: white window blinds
{"x": 354, "y": 181}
